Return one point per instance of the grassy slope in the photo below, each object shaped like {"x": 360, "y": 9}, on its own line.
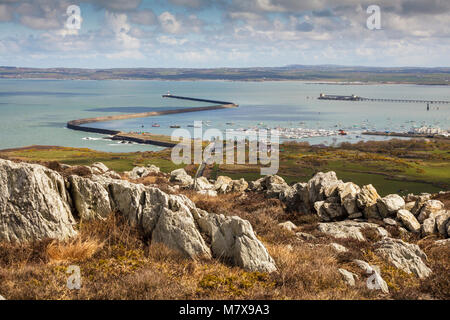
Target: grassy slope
{"x": 117, "y": 263}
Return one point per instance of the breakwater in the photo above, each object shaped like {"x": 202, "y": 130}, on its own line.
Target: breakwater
{"x": 158, "y": 140}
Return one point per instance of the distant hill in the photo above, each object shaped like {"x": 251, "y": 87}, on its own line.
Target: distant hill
{"x": 325, "y": 73}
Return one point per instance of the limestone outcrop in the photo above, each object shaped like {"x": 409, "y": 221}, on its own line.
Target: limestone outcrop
{"x": 34, "y": 203}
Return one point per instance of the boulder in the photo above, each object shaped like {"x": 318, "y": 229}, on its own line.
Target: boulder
{"x": 296, "y": 198}
{"x": 90, "y": 199}
{"x": 176, "y": 228}
{"x": 404, "y": 256}
{"x": 366, "y": 201}
{"x": 349, "y": 277}
{"x": 256, "y": 185}
{"x": 441, "y": 222}
{"x": 430, "y": 207}
{"x": 347, "y": 194}
{"x": 112, "y": 175}
{"x": 233, "y": 238}
{"x": 429, "y": 226}
{"x": 409, "y": 206}
{"x": 320, "y": 183}
{"x": 389, "y": 205}
{"x": 288, "y": 225}
{"x": 34, "y": 203}
{"x": 334, "y": 210}
{"x": 202, "y": 183}
{"x": 142, "y": 172}
{"x": 419, "y": 202}
{"x": 238, "y": 185}
{"x": 320, "y": 210}
{"x": 175, "y": 221}
{"x": 390, "y": 222}
{"x": 338, "y": 248}
{"x": 274, "y": 186}
{"x": 222, "y": 184}
{"x": 181, "y": 177}
{"x": 448, "y": 229}
{"x": 99, "y": 168}
{"x": 408, "y": 220}
{"x": 349, "y": 229}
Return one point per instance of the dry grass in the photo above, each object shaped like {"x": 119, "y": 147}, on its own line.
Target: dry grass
{"x": 116, "y": 262}
{"x": 72, "y": 251}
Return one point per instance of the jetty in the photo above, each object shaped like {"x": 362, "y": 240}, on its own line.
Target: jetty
{"x": 406, "y": 134}
{"x": 146, "y": 138}
{"x": 357, "y": 98}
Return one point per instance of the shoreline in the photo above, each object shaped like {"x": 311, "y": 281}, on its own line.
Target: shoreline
{"x": 315, "y": 82}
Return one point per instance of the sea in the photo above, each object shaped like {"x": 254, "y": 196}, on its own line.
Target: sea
{"x": 35, "y": 112}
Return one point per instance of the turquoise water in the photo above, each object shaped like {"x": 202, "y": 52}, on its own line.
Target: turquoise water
{"x": 36, "y": 111}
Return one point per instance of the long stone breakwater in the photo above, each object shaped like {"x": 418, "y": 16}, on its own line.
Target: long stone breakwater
{"x": 159, "y": 140}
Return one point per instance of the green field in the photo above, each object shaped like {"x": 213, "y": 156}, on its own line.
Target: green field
{"x": 395, "y": 166}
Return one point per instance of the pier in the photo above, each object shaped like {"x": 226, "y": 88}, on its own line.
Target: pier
{"x": 405, "y": 135}
{"x": 148, "y": 138}
{"x": 357, "y": 98}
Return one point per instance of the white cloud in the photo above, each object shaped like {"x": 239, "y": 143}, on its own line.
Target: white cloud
{"x": 169, "y": 22}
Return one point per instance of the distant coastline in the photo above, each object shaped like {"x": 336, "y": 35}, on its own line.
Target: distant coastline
{"x": 311, "y": 74}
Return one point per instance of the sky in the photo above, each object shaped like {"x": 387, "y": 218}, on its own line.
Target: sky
{"x": 223, "y": 33}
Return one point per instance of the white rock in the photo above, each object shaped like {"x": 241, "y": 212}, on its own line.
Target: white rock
{"x": 112, "y": 175}
{"x": 366, "y": 201}
{"x": 389, "y": 205}
{"x": 338, "y": 248}
{"x": 90, "y": 199}
{"x": 430, "y": 207}
{"x": 320, "y": 210}
{"x": 441, "y": 222}
{"x": 429, "y": 226}
{"x": 405, "y": 256}
{"x": 288, "y": 225}
{"x": 34, "y": 204}
{"x": 142, "y": 172}
{"x": 318, "y": 184}
{"x": 182, "y": 177}
{"x": 238, "y": 185}
{"x": 203, "y": 184}
{"x": 390, "y": 222}
{"x": 233, "y": 238}
{"x": 420, "y": 201}
{"x": 347, "y": 194}
{"x": 102, "y": 168}
{"x": 349, "y": 277}
{"x": 349, "y": 229}
{"x": 408, "y": 220}
{"x": 409, "y": 206}
{"x": 222, "y": 184}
